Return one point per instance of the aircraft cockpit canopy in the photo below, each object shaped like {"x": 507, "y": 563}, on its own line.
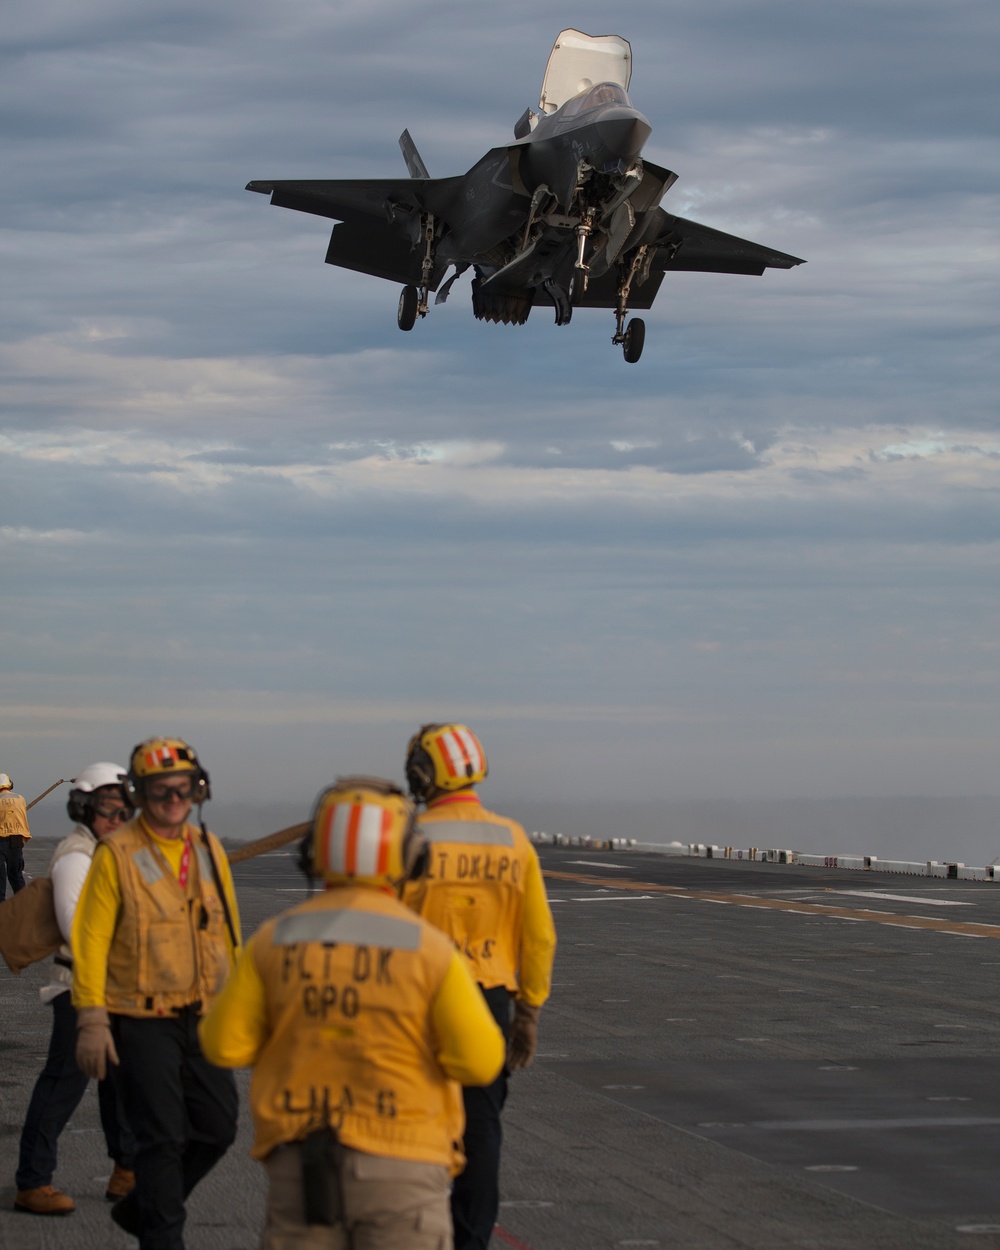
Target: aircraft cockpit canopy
{"x": 578, "y": 61}
{"x": 603, "y": 93}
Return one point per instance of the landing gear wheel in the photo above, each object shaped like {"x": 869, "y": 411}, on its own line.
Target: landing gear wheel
{"x": 407, "y": 314}
{"x": 635, "y": 337}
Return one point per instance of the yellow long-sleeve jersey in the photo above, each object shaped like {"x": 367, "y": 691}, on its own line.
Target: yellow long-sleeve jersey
{"x": 354, "y": 1012}
{"x": 485, "y": 890}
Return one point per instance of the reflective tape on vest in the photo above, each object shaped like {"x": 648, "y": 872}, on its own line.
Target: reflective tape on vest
{"x": 473, "y": 832}
{"x": 204, "y": 863}
{"x": 355, "y": 928}
{"x": 150, "y": 870}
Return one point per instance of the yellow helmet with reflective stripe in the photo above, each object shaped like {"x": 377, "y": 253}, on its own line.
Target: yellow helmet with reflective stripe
{"x": 444, "y": 757}
{"x": 163, "y": 757}
{"x": 363, "y": 833}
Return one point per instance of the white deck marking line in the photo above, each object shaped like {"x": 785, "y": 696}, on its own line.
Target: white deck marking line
{"x": 953, "y": 928}
{"x": 904, "y": 898}
{"x": 869, "y": 1126}
{"x": 596, "y": 863}
{"x": 607, "y": 898}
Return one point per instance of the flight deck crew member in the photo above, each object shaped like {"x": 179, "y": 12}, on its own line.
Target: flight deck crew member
{"x": 358, "y": 1018}
{"x": 98, "y": 806}
{"x": 14, "y": 833}
{"x": 154, "y": 939}
{"x": 484, "y": 889}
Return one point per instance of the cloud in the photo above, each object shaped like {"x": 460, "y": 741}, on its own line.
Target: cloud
{"x": 237, "y": 500}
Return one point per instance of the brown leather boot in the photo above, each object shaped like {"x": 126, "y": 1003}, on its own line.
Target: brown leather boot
{"x": 121, "y": 1182}
{"x": 45, "y": 1200}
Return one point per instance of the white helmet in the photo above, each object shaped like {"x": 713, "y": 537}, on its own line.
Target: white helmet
{"x": 94, "y": 776}
{"x": 5, "y": 782}
{"x": 82, "y": 800}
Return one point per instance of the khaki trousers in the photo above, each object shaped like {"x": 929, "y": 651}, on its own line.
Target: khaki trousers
{"x": 377, "y": 1203}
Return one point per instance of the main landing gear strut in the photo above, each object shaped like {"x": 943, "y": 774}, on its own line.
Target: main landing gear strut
{"x": 412, "y": 299}
{"x": 633, "y": 336}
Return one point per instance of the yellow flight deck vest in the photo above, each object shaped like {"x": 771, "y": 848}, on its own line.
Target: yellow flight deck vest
{"x": 170, "y": 947}
{"x": 350, "y": 979}
{"x": 13, "y": 816}
{"x": 475, "y": 887}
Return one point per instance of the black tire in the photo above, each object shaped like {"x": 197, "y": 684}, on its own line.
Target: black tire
{"x": 407, "y": 313}
{"x": 635, "y": 337}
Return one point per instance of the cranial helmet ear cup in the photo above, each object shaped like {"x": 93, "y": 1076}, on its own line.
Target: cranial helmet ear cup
{"x": 79, "y": 807}
{"x": 203, "y": 787}
{"x": 305, "y": 857}
{"x": 419, "y": 771}
{"x": 417, "y": 856}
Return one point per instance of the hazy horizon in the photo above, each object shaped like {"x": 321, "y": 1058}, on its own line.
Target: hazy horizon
{"x": 910, "y": 828}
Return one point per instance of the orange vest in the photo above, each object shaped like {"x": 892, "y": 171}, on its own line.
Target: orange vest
{"x": 13, "y": 816}
{"x": 350, "y": 978}
{"x": 474, "y": 889}
{"x": 170, "y": 947}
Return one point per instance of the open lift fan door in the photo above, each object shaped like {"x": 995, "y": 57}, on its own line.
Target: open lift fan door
{"x": 577, "y": 61}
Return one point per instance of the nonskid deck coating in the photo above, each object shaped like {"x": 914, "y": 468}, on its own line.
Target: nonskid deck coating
{"x": 776, "y": 1045}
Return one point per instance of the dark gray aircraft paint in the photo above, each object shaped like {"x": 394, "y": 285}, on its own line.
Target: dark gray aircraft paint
{"x": 567, "y": 216}
{"x": 734, "y": 1056}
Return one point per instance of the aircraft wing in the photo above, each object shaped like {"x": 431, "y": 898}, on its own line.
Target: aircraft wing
{"x": 687, "y": 245}
{"x": 357, "y": 199}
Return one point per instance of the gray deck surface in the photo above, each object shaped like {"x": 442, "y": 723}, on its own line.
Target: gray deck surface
{"x": 712, "y": 1072}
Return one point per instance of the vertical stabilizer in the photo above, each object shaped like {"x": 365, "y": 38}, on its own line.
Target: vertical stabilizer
{"x": 414, "y": 164}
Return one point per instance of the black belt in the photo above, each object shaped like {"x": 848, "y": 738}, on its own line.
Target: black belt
{"x": 63, "y": 961}
{"x": 188, "y": 1009}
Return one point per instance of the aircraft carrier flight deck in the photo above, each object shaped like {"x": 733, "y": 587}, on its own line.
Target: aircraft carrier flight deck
{"x": 734, "y": 1055}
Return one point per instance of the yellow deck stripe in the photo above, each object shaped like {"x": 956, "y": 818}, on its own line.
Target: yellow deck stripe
{"x": 957, "y": 927}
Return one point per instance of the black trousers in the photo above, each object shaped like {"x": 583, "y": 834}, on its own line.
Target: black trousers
{"x": 475, "y": 1195}
{"x": 11, "y": 864}
{"x": 57, "y": 1094}
{"x": 183, "y": 1112}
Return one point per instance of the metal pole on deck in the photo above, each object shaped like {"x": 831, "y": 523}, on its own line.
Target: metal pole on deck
{"x": 271, "y": 842}
{"x": 60, "y": 782}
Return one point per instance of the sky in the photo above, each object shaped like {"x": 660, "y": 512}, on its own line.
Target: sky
{"x": 239, "y": 506}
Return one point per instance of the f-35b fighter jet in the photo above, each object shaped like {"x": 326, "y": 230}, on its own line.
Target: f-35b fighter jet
{"x": 567, "y": 215}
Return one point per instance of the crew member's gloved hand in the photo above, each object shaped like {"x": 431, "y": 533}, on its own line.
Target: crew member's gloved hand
{"x": 523, "y": 1036}
{"x": 95, "y": 1047}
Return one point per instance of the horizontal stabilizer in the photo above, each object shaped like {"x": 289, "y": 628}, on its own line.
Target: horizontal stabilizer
{"x": 689, "y": 246}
